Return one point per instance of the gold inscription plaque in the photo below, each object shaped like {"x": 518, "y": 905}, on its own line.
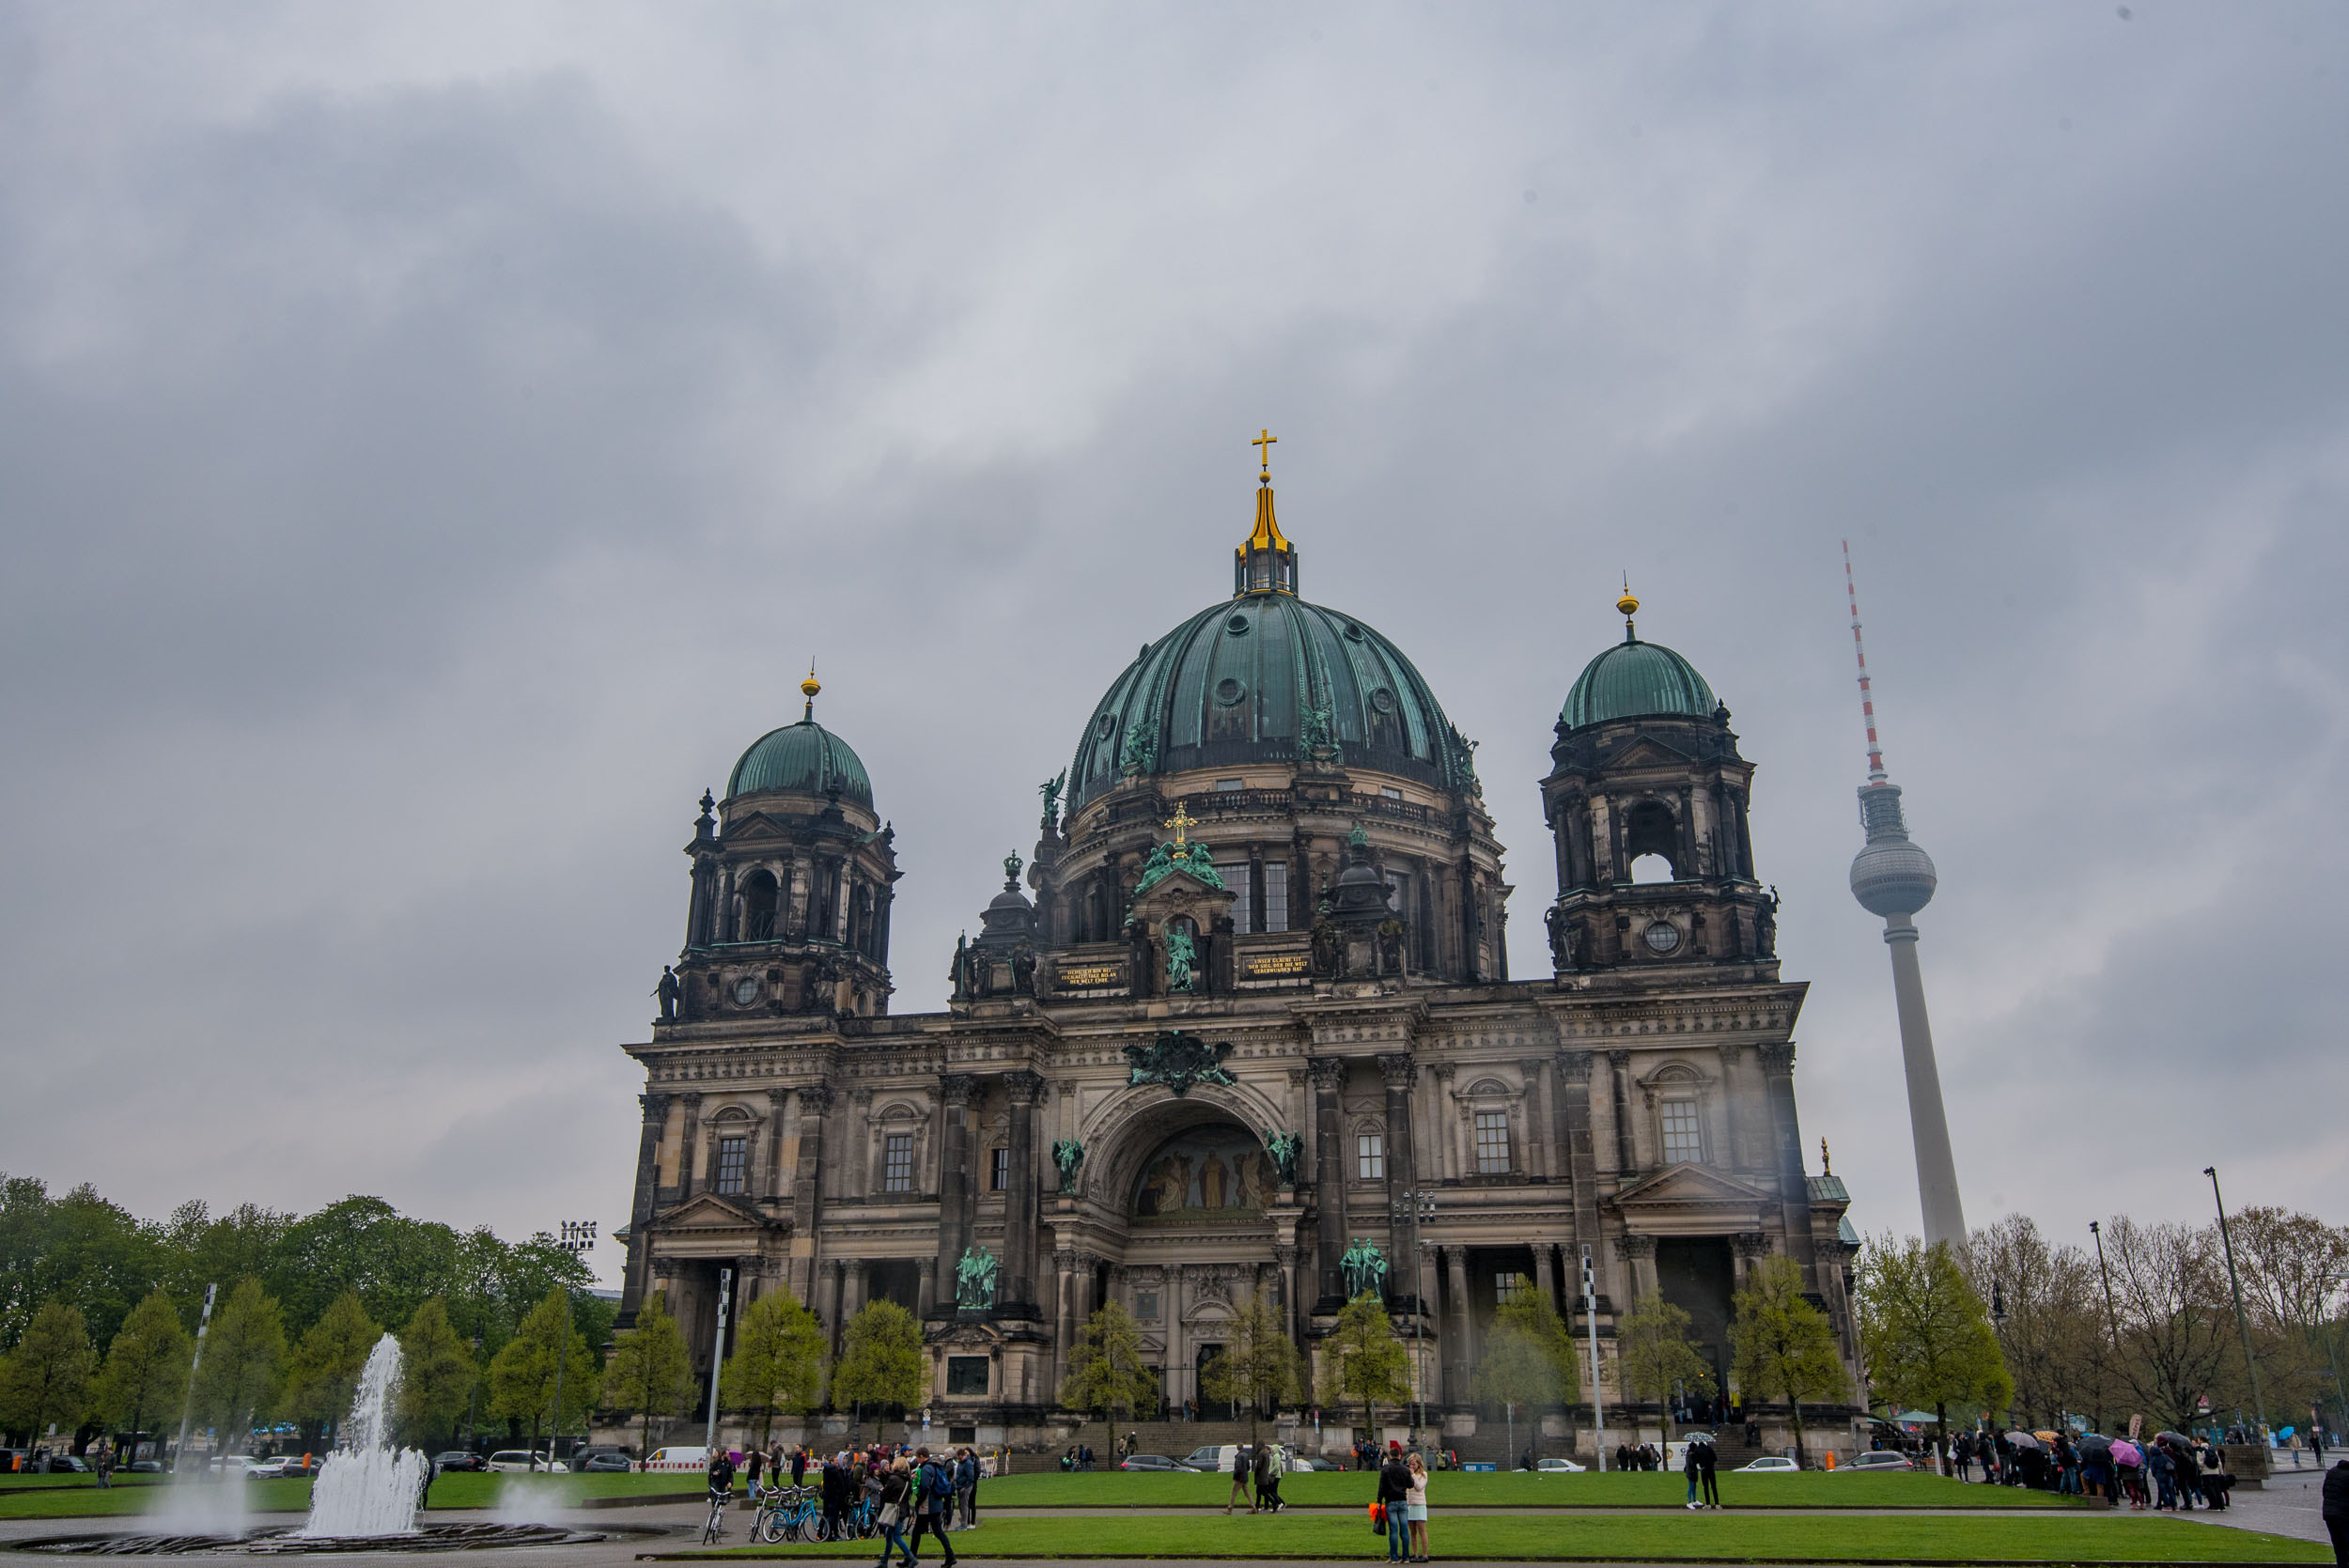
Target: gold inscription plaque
{"x": 1091, "y": 974}
{"x": 1285, "y": 963}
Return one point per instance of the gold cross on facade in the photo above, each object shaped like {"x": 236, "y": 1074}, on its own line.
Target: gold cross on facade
{"x": 1265, "y": 442}
{"x": 1181, "y": 820}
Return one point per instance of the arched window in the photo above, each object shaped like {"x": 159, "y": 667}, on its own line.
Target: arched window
{"x": 1651, "y": 840}
{"x": 758, "y": 905}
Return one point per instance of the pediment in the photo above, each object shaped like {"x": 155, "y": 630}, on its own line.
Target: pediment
{"x": 1686, "y": 1186}
{"x": 1648, "y": 752}
{"x": 1178, "y": 893}
{"x": 708, "y": 1211}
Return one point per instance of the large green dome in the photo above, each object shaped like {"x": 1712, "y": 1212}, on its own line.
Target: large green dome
{"x": 1637, "y": 680}
{"x": 1236, "y": 684}
{"x": 805, "y": 758}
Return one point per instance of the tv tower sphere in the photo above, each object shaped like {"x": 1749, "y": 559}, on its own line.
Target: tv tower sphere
{"x": 1890, "y": 877}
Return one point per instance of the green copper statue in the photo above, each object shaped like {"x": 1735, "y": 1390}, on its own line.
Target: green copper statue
{"x": 974, "y": 1280}
{"x": 1069, "y": 1154}
{"x": 1284, "y": 1147}
{"x": 1364, "y": 1267}
{"x": 1181, "y": 958}
{"x": 1050, "y": 789}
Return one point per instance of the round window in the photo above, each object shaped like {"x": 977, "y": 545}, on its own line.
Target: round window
{"x": 1383, "y": 700}
{"x": 1662, "y": 936}
{"x": 746, "y": 989}
{"x": 1228, "y": 691}
{"x": 1353, "y": 632}
{"x": 1237, "y": 625}
{"x": 1103, "y": 725}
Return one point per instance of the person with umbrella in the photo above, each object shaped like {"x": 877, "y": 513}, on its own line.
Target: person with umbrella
{"x": 2096, "y": 1466}
{"x": 2129, "y": 1462}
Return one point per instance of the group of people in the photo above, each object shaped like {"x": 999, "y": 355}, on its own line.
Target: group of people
{"x": 1261, "y": 1464}
{"x": 1401, "y": 1507}
{"x": 934, "y": 1494}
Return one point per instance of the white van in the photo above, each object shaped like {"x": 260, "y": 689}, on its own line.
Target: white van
{"x": 677, "y": 1459}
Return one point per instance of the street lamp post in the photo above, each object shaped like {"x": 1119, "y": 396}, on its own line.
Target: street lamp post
{"x": 578, "y": 1236}
{"x": 1598, "y": 1399}
{"x": 2242, "y": 1323}
{"x": 1407, "y": 1211}
{"x": 187, "y": 1406}
{"x": 2112, "y": 1315}
{"x": 717, "y": 1358}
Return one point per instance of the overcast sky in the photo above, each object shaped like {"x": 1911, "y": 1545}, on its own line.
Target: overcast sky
{"x": 434, "y": 439}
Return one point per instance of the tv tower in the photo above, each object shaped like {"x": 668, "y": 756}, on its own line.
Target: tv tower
{"x": 1894, "y": 878}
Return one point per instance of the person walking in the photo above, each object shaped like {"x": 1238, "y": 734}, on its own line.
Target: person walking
{"x": 1415, "y": 1509}
{"x": 934, "y": 1495}
{"x": 967, "y": 1487}
{"x": 1395, "y": 1497}
{"x": 1240, "y": 1480}
{"x": 894, "y": 1483}
{"x": 1260, "y": 1471}
{"x": 1708, "y": 1462}
{"x": 2335, "y": 1509}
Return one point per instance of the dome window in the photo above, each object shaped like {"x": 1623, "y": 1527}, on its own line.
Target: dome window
{"x": 1353, "y": 632}
{"x": 1383, "y": 700}
{"x": 1104, "y": 723}
{"x": 1237, "y": 626}
{"x": 1229, "y": 691}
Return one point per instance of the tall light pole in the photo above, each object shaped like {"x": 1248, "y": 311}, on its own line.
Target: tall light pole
{"x": 1893, "y": 878}
{"x": 578, "y": 1236}
{"x": 187, "y": 1405}
{"x": 2242, "y": 1323}
{"x": 1598, "y": 1399}
{"x": 1407, "y": 1211}
{"x": 717, "y": 1358}
{"x": 2112, "y": 1316}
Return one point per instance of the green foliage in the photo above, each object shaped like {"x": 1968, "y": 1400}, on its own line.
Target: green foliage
{"x": 1528, "y": 1359}
{"x": 651, "y": 1375}
{"x": 1656, "y": 1354}
{"x": 1258, "y": 1366}
{"x": 1361, "y": 1361}
{"x": 1106, "y": 1373}
{"x": 778, "y": 1361}
{"x": 327, "y": 1363}
{"x": 46, "y": 1378}
{"x": 437, "y": 1373}
{"x": 146, "y": 1375}
{"x": 77, "y": 1249}
{"x": 243, "y": 1363}
{"x": 1925, "y": 1336}
{"x": 1784, "y": 1346}
{"x": 546, "y": 1355}
{"x": 881, "y": 1359}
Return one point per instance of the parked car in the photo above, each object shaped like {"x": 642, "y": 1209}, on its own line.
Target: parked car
{"x": 1151, "y": 1462}
{"x": 275, "y": 1468}
{"x": 1558, "y": 1466}
{"x": 508, "y": 1461}
{"x": 458, "y": 1459}
{"x": 1879, "y": 1459}
{"x": 1771, "y": 1462}
{"x": 145, "y": 1467}
{"x": 67, "y": 1464}
{"x": 602, "y": 1462}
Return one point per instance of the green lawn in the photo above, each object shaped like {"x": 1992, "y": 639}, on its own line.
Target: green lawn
{"x": 464, "y": 1490}
{"x": 1723, "y": 1537}
{"x": 122, "y": 1477}
{"x": 1515, "y": 1489}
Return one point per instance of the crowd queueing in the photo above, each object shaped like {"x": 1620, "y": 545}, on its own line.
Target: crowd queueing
{"x": 882, "y": 1490}
{"x": 2168, "y": 1471}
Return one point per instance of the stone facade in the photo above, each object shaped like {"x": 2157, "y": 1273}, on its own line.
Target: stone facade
{"x": 1256, "y": 1057}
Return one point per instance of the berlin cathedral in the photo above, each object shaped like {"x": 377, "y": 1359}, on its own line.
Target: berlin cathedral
{"x": 1243, "y": 1024}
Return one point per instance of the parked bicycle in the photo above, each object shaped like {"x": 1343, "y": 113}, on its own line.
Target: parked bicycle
{"x": 787, "y": 1513}
{"x": 716, "y": 1524}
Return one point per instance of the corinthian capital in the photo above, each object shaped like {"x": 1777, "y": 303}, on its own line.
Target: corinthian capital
{"x": 1328, "y": 1072}
{"x": 1400, "y": 1069}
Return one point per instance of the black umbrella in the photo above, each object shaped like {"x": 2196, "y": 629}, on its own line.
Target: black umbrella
{"x": 2094, "y": 1442}
{"x": 2177, "y": 1437}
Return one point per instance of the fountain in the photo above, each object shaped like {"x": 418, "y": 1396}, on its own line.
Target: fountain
{"x": 366, "y": 1486}
{"x": 364, "y": 1501}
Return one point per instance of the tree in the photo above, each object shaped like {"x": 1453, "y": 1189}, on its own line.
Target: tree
{"x": 146, "y": 1366}
{"x": 1361, "y": 1361}
{"x": 778, "y": 1361}
{"x": 1529, "y": 1356}
{"x": 2177, "y": 1326}
{"x": 1656, "y": 1354}
{"x": 327, "y": 1363}
{"x": 1784, "y": 1348}
{"x": 881, "y": 1359}
{"x": 244, "y": 1365}
{"x": 436, "y": 1373}
{"x": 47, "y": 1377}
{"x": 651, "y": 1375}
{"x": 1924, "y": 1334}
{"x": 1258, "y": 1365}
{"x": 1106, "y": 1371}
{"x": 545, "y": 1359}
{"x": 2292, "y": 1266}
{"x": 2056, "y": 1342}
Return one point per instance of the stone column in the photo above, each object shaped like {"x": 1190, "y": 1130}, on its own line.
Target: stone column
{"x": 1401, "y": 1073}
{"x": 1460, "y": 1319}
{"x": 1748, "y": 1248}
{"x": 779, "y": 1104}
{"x": 1573, "y": 1104}
{"x": 642, "y": 1202}
{"x": 955, "y": 1091}
{"x": 1794, "y": 1185}
{"x": 1021, "y": 1089}
{"x": 1439, "y": 1125}
{"x": 690, "y": 1138}
{"x": 1733, "y": 1153}
{"x": 816, "y": 1101}
{"x": 1538, "y": 1119}
{"x": 835, "y": 1280}
{"x": 1544, "y": 1277}
{"x": 1626, "y": 1159}
{"x": 1064, "y": 1319}
{"x": 1329, "y": 1172}
{"x": 1639, "y": 1251}
{"x": 1288, "y": 1259}
{"x": 926, "y": 1290}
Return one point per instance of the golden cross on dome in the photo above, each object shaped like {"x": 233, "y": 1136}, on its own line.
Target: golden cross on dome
{"x": 1181, "y": 820}
{"x": 1265, "y": 441}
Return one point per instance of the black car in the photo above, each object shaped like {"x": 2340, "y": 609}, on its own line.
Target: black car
{"x": 457, "y": 1459}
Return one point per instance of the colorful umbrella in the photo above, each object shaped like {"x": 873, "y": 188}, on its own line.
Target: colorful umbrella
{"x": 2126, "y": 1453}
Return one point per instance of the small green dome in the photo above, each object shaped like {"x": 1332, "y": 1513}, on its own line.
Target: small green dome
{"x": 805, "y": 758}
{"x": 1637, "y": 680}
